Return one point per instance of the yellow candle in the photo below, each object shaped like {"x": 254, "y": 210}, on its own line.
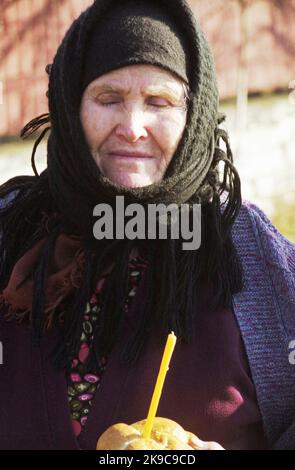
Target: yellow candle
{"x": 169, "y": 348}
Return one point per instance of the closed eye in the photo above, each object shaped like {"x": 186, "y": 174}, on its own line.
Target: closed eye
{"x": 155, "y": 105}
{"x": 158, "y": 102}
{"x": 109, "y": 103}
{"x": 153, "y": 101}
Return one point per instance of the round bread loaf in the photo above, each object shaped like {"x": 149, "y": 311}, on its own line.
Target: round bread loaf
{"x": 166, "y": 434}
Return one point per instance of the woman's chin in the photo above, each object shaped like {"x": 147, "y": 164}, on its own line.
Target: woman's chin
{"x": 131, "y": 180}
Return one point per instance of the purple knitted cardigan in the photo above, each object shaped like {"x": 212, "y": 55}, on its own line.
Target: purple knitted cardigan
{"x": 265, "y": 311}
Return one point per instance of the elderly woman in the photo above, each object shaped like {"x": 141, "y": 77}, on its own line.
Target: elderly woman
{"x": 133, "y": 112}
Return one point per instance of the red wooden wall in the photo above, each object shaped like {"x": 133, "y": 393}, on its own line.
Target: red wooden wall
{"x": 30, "y": 31}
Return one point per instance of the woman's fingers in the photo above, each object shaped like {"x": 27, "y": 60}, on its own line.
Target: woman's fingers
{"x": 195, "y": 442}
{"x": 212, "y": 446}
{"x": 198, "y": 444}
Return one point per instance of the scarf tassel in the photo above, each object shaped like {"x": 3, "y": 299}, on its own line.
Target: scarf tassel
{"x": 30, "y": 128}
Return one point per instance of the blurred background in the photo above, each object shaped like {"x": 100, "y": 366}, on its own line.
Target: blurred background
{"x": 253, "y": 42}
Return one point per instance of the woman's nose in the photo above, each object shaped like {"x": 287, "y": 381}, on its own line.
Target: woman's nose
{"x": 132, "y": 125}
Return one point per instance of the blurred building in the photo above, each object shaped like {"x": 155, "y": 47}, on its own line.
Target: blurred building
{"x": 30, "y": 31}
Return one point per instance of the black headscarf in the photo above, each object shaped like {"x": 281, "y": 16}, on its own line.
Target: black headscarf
{"x": 72, "y": 185}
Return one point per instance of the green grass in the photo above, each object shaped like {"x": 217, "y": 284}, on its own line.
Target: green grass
{"x": 284, "y": 218}
{"x": 15, "y": 146}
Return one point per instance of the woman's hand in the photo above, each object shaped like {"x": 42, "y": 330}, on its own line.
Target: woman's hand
{"x": 197, "y": 444}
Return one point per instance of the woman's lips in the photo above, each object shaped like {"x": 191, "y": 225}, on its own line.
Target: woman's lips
{"x": 129, "y": 158}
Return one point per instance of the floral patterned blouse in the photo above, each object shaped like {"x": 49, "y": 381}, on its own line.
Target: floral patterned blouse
{"x": 83, "y": 383}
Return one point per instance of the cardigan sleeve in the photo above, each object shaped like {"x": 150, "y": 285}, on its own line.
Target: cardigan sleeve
{"x": 287, "y": 440}
{"x": 4, "y": 201}
{"x": 279, "y": 254}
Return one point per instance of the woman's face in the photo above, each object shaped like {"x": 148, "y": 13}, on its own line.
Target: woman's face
{"x": 133, "y": 119}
